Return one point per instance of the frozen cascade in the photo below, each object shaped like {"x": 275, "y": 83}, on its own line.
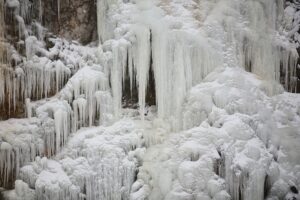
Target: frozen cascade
{"x": 216, "y": 132}
{"x": 189, "y": 51}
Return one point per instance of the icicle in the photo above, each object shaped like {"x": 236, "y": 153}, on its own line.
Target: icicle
{"x": 80, "y": 113}
{"x": 28, "y": 108}
{"x": 62, "y": 123}
{"x": 58, "y": 10}
{"x": 40, "y": 11}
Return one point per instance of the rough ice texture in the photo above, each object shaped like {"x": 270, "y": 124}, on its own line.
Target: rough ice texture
{"x": 231, "y": 147}
{"x": 216, "y": 132}
{"x": 97, "y": 163}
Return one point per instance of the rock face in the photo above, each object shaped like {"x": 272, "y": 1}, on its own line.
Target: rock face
{"x": 71, "y": 19}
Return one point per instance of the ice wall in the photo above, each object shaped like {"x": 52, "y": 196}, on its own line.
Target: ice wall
{"x": 226, "y": 147}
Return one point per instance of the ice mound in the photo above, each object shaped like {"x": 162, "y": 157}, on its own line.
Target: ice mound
{"x": 97, "y": 163}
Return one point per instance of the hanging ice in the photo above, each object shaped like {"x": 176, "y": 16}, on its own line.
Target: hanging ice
{"x": 185, "y": 44}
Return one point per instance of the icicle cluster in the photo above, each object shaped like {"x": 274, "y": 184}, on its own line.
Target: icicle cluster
{"x": 34, "y": 78}
{"x": 88, "y": 93}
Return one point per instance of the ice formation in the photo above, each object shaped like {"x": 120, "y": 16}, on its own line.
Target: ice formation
{"x": 222, "y": 128}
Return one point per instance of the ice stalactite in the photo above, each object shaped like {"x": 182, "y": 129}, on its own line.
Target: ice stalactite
{"x": 141, "y": 62}
{"x": 105, "y": 31}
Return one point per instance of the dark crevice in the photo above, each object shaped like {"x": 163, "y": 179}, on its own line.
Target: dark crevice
{"x": 151, "y": 93}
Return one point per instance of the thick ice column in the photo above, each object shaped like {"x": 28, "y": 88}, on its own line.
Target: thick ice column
{"x": 116, "y": 79}
{"x": 159, "y": 57}
{"x": 104, "y": 107}
{"x": 142, "y": 51}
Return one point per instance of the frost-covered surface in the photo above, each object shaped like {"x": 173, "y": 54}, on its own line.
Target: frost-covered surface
{"x": 216, "y": 132}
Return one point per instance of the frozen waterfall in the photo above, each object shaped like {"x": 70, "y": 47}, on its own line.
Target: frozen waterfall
{"x": 225, "y": 124}
{"x": 186, "y": 40}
